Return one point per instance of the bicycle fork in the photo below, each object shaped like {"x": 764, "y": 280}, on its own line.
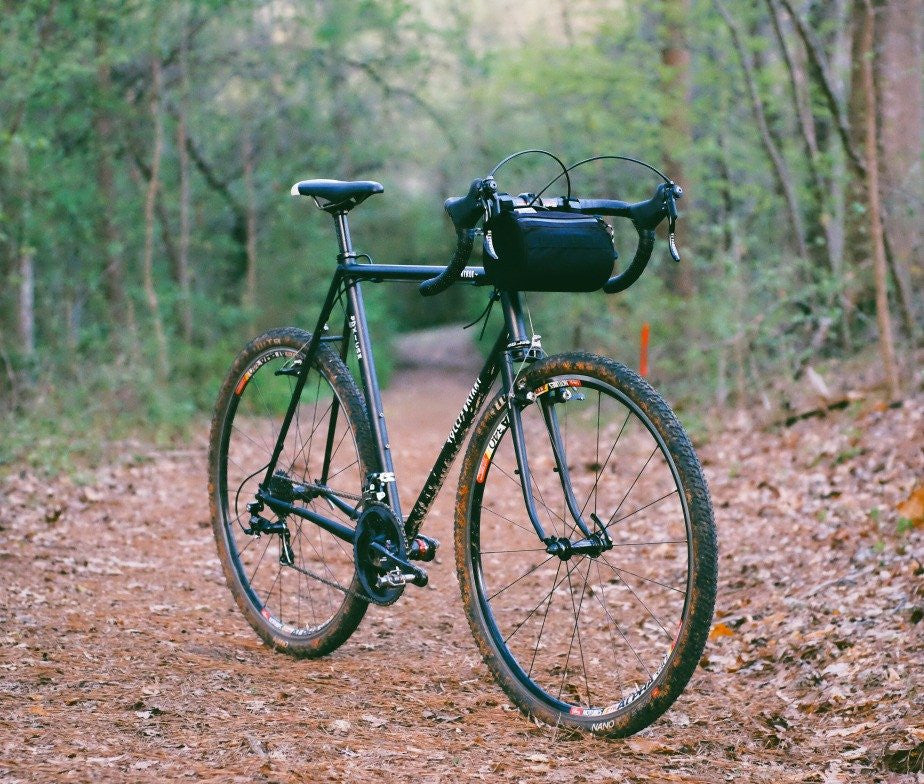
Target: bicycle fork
{"x": 518, "y": 396}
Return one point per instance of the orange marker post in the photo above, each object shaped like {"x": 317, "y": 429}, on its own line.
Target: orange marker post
{"x": 643, "y": 350}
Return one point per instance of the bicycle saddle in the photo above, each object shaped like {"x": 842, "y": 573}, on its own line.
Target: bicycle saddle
{"x": 339, "y": 196}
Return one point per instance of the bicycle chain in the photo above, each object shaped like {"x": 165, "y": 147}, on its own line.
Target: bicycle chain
{"x": 331, "y": 583}
{"x": 339, "y": 493}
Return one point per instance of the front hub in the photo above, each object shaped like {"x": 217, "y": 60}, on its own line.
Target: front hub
{"x": 592, "y": 546}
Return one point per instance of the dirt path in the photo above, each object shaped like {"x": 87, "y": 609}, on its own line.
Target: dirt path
{"x": 123, "y": 657}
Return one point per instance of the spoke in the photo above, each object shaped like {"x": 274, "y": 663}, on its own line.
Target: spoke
{"x": 606, "y": 610}
{"x": 576, "y": 618}
{"x": 258, "y": 386}
{"x": 311, "y": 434}
{"x": 525, "y": 574}
{"x": 543, "y": 599}
{"x": 640, "y": 577}
{"x": 269, "y": 593}
{"x": 507, "y": 519}
{"x": 347, "y": 551}
{"x": 593, "y": 489}
{"x": 544, "y": 504}
{"x": 254, "y": 572}
{"x": 256, "y": 443}
{"x": 333, "y": 454}
{"x": 297, "y": 421}
{"x": 250, "y": 541}
{"x": 647, "y": 609}
{"x": 345, "y": 468}
{"x": 609, "y": 626}
{"x": 549, "y": 607}
{"x": 642, "y": 508}
{"x": 517, "y": 482}
{"x": 637, "y": 476}
{"x": 323, "y": 560}
{"x": 524, "y": 550}
{"x": 564, "y": 675}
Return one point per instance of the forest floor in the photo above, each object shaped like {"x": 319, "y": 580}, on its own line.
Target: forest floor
{"x": 124, "y": 658}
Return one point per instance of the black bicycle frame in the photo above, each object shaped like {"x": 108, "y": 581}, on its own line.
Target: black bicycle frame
{"x": 512, "y": 345}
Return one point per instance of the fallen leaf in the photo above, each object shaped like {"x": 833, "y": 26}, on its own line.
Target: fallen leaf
{"x": 646, "y": 746}
{"x": 913, "y": 506}
{"x": 720, "y": 630}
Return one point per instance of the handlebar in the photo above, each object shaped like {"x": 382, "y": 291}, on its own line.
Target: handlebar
{"x": 482, "y": 200}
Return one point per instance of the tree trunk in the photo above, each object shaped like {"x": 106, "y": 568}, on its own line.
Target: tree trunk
{"x": 250, "y": 292}
{"x": 182, "y": 272}
{"x": 150, "y": 291}
{"x": 677, "y": 135}
{"x": 27, "y": 301}
{"x": 825, "y": 192}
{"x": 784, "y": 179}
{"x": 883, "y": 319}
{"x": 899, "y": 66}
{"x": 120, "y": 311}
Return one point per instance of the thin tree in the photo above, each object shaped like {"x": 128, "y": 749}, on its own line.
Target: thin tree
{"x": 150, "y": 291}
{"x": 675, "y": 57}
{"x": 121, "y": 312}
{"x": 784, "y": 179}
{"x": 886, "y": 345}
{"x": 250, "y": 290}
{"x": 182, "y": 271}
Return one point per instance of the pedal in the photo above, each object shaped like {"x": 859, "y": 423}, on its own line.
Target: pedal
{"x": 396, "y": 578}
{"x": 423, "y": 548}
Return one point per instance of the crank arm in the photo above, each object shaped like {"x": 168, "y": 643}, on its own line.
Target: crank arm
{"x": 409, "y": 572}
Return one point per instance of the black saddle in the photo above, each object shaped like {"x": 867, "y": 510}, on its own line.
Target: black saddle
{"x": 338, "y": 196}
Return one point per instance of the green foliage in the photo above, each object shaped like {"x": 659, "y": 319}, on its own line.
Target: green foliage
{"x": 422, "y": 96}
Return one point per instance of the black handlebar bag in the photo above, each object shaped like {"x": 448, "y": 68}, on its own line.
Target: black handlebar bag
{"x": 548, "y": 251}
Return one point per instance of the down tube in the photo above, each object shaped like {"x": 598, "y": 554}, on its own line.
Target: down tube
{"x": 460, "y": 428}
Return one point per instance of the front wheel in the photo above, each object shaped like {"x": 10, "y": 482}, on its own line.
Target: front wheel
{"x": 598, "y": 641}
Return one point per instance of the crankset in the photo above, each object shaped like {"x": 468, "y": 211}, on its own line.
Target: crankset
{"x": 381, "y": 556}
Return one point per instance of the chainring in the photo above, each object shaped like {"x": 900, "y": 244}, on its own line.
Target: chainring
{"x": 377, "y": 524}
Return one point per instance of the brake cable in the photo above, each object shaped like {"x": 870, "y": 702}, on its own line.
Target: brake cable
{"x": 564, "y": 169}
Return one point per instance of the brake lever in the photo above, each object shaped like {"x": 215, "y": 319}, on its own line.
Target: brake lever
{"x": 674, "y": 192}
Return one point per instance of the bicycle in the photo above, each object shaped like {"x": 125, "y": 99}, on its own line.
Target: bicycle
{"x": 584, "y": 538}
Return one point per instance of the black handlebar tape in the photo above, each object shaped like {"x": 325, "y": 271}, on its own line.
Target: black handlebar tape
{"x": 466, "y": 210}
{"x": 454, "y": 269}
{"x": 622, "y": 281}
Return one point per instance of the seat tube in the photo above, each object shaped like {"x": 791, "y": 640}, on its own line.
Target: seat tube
{"x": 356, "y": 323}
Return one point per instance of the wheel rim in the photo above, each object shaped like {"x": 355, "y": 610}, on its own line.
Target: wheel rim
{"x": 588, "y": 636}
{"x": 300, "y": 600}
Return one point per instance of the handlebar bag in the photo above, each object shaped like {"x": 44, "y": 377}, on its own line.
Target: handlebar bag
{"x": 547, "y": 251}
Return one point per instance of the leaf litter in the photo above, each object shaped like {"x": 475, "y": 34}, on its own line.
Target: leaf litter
{"x": 124, "y": 657}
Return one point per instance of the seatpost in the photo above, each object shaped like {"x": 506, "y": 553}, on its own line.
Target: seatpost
{"x": 343, "y": 238}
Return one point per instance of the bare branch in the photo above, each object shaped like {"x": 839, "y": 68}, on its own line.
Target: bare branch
{"x": 826, "y": 82}
{"x": 780, "y": 169}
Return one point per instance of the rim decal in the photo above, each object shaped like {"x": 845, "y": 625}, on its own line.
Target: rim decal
{"x": 492, "y": 445}
{"x": 257, "y": 365}
{"x": 557, "y": 384}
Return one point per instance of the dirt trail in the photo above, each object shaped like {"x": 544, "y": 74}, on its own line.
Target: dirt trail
{"x": 125, "y": 659}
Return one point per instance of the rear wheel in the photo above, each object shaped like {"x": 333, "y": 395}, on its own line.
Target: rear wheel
{"x": 601, "y": 642}
{"x": 311, "y": 605}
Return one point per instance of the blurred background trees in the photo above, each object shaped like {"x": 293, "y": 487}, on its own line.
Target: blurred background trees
{"x": 147, "y": 149}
